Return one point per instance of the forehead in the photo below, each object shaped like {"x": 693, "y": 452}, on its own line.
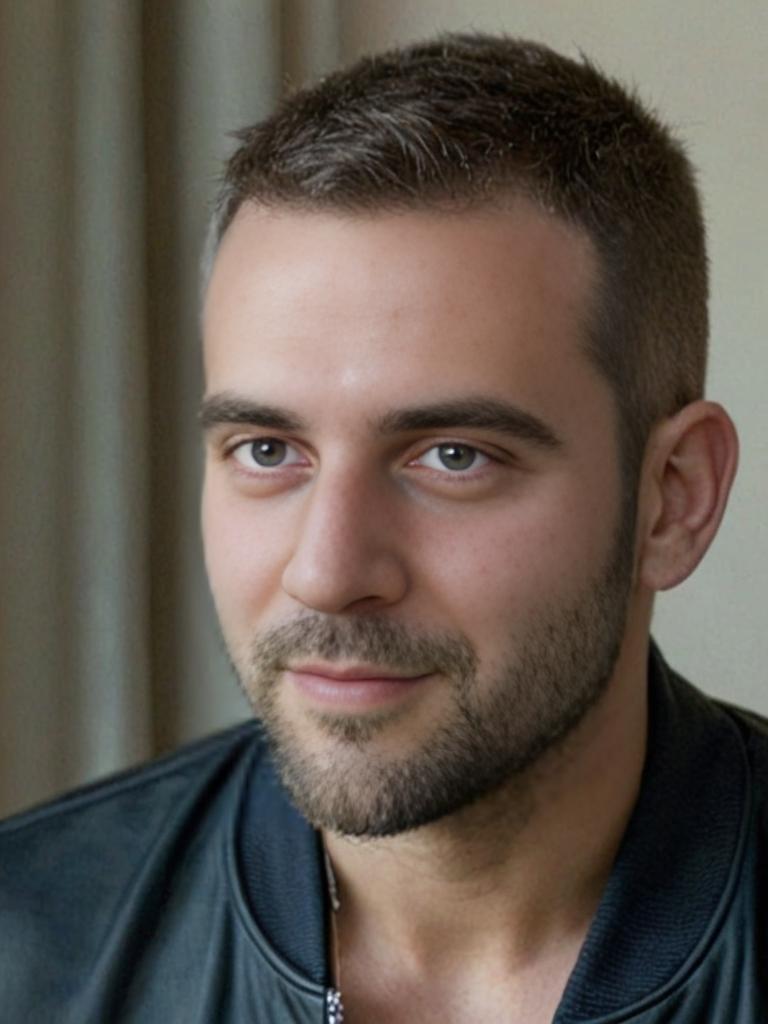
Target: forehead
{"x": 416, "y": 305}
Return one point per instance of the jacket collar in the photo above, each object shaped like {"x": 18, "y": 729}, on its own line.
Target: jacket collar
{"x": 665, "y": 897}
{"x": 670, "y": 884}
{"x": 282, "y": 874}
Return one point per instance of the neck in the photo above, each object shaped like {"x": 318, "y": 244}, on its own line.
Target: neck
{"x": 522, "y": 870}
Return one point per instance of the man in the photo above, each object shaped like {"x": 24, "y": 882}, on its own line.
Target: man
{"x": 455, "y": 334}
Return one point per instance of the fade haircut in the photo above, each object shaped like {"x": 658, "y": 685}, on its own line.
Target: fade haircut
{"x": 468, "y": 121}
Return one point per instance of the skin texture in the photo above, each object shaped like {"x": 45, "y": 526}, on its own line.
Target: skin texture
{"x": 337, "y": 325}
{"x": 514, "y": 689}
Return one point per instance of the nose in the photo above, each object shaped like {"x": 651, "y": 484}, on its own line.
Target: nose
{"x": 345, "y": 553}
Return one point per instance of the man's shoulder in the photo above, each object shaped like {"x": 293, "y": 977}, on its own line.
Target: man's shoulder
{"x": 112, "y": 896}
{"x": 727, "y": 742}
{"x": 753, "y": 727}
{"x": 138, "y": 798}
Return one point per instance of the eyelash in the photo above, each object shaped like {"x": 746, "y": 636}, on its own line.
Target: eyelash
{"x": 471, "y": 474}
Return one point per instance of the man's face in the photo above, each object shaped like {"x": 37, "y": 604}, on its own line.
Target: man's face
{"x": 412, "y": 508}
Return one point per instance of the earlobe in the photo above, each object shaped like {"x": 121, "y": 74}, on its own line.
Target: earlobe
{"x": 689, "y": 467}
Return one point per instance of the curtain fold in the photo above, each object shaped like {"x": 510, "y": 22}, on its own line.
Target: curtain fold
{"x": 114, "y": 117}
{"x": 36, "y": 101}
{"x": 107, "y": 570}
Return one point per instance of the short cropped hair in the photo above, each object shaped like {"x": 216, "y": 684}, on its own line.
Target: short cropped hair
{"x": 467, "y": 121}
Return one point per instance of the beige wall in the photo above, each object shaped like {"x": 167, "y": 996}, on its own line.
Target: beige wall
{"x": 704, "y": 66}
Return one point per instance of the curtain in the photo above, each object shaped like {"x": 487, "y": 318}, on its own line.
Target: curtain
{"x": 114, "y": 117}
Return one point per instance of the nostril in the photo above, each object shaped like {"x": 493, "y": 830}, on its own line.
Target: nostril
{"x": 332, "y": 585}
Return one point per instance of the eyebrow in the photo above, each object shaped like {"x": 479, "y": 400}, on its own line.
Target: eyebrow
{"x": 217, "y": 410}
{"x": 478, "y": 412}
{"x": 483, "y": 413}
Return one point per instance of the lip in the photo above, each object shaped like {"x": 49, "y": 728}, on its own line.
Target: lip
{"x": 356, "y": 672}
{"x": 354, "y": 688}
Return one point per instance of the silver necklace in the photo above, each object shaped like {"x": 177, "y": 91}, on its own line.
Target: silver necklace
{"x": 333, "y": 1004}
{"x": 334, "y": 1007}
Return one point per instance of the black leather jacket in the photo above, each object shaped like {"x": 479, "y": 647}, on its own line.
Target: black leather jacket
{"x": 191, "y": 891}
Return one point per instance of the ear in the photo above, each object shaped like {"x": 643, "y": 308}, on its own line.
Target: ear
{"x": 689, "y": 466}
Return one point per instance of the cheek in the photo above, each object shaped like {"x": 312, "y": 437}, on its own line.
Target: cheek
{"x": 505, "y": 567}
{"x": 241, "y": 557}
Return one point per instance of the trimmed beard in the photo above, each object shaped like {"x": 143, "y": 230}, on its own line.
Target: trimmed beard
{"x": 496, "y": 729}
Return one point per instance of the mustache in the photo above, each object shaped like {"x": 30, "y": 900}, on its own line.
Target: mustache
{"x": 373, "y": 639}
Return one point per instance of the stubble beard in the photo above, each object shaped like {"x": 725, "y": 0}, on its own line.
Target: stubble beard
{"x": 495, "y": 730}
